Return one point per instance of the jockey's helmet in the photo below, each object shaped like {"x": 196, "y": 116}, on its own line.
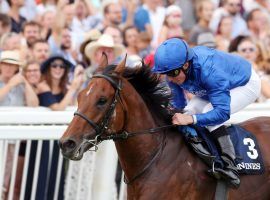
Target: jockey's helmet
{"x": 172, "y": 54}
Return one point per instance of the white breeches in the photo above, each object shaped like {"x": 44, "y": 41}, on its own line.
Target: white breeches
{"x": 240, "y": 98}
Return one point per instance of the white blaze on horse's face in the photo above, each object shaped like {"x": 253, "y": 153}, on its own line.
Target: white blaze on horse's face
{"x": 89, "y": 91}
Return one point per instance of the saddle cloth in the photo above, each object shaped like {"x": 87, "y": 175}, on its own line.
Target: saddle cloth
{"x": 248, "y": 155}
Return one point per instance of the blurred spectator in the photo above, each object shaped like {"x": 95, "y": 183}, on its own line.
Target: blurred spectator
{"x": 89, "y": 37}
{"x": 151, "y": 12}
{"x": 64, "y": 46}
{"x": 142, "y": 20}
{"x": 128, "y": 10}
{"x": 224, "y": 33}
{"x": 130, "y": 36}
{"x": 31, "y": 31}
{"x": 10, "y": 41}
{"x": 68, "y": 13}
{"x": 95, "y": 49}
{"x": 32, "y": 74}
{"x": 46, "y": 5}
{"x": 263, "y": 62}
{"x": 14, "y": 88}
{"x": 16, "y": 19}
{"x": 29, "y": 10}
{"x": 172, "y": 24}
{"x": 258, "y": 25}
{"x": 206, "y": 39}
{"x": 144, "y": 44}
{"x": 112, "y": 14}
{"x": 189, "y": 18}
{"x": 230, "y": 8}
{"x": 263, "y": 5}
{"x": 85, "y": 18}
{"x": 248, "y": 49}
{"x": 46, "y": 21}
{"x": 54, "y": 91}
{"x": 40, "y": 51}
{"x": 115, "y": 32}
{"x": 5, "y": 24}
{"x": 204, "y": 12}
{"x": 265, "y": 77}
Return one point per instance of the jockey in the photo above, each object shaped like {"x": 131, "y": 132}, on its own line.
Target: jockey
{"x": 222, "y": 83}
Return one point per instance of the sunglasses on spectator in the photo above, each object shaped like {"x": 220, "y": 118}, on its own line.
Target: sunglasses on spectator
{"x": 173, "y": 73}
{"x": 245, "y": 50}
{"x": 55, "y": 65}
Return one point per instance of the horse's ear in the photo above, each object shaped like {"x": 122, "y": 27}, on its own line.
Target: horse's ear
{"x": 120, "y": 68}
{"x": 104, "y": 61}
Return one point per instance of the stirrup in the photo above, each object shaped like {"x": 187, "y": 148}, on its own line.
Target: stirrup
{"x": 227, "y": 176}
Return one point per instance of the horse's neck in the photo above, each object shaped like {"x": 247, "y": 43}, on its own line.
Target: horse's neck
{"x": 135, "y": 152}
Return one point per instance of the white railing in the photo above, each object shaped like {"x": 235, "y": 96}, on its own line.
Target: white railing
{"x": 96, "y": 171}
{"x": 91, "y": 178}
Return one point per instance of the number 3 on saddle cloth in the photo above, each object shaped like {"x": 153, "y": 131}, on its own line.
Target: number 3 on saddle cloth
{"x": 248, "y": 157}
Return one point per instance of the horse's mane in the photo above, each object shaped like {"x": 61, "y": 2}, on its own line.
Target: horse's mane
{"x": 154, "y": 92}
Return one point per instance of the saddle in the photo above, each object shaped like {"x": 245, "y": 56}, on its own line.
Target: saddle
{"x": 248, "y": 156}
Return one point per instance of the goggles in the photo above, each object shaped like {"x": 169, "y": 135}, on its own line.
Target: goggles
{"x": 174, "y": 73}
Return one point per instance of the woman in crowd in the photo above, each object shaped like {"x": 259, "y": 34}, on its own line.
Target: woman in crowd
{"x": 54, "y": 92}
{"x": 172, "y": 24}
{"x": 130, "y": 37}
{"x": 223, "y": 36}
{"x": 246, "y": 47}
{"x": 32, "y": 74}
{"x": 204, "y": 11}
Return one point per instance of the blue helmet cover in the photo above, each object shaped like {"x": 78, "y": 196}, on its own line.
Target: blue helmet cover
{"x": 172, "y": 54}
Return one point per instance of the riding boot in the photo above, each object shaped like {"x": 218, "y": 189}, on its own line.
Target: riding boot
{"x": 229, "y": 172}
{"x": 197, "y": 144}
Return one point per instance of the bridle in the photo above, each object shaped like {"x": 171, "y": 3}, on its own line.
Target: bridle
{"x": 102, "y": 127}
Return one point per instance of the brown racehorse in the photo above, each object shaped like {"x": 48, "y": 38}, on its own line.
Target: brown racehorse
{"x": 158, "y": 166}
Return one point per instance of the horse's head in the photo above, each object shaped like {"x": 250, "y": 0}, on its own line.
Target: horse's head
{"x": 100, "y": 112}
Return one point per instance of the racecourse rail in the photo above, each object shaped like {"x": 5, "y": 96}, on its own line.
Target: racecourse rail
{"x": 91, "y": 178}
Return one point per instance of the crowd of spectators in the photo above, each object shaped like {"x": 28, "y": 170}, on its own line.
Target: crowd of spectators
{"x": 49, "y": 49}
{"x": 77, "y": 32}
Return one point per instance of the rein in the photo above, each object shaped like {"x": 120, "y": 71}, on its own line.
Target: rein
{"x": 126, "y": 134}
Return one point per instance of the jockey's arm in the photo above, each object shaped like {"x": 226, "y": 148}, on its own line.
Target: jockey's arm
{"x": 217, "y": 87}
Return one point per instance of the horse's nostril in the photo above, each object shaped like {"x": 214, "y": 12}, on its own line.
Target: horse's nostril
{"x": 68, "y": 145}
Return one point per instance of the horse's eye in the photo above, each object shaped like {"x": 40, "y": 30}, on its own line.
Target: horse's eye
{"x": 102, "y": 101}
